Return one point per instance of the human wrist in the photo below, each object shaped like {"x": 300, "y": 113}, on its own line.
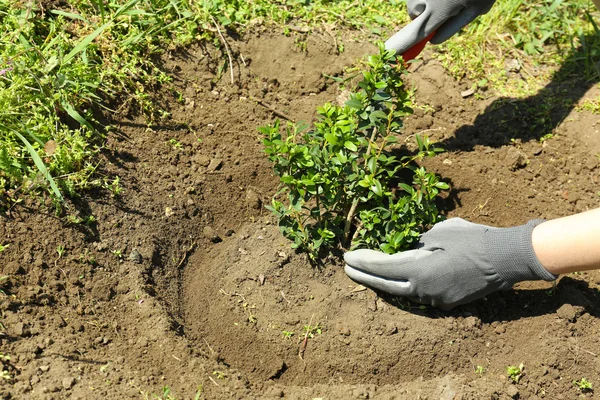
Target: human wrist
{"x": 511, "y": 253}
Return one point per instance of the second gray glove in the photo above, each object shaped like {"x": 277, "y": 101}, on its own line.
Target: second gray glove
{"x": 456, "y": 262}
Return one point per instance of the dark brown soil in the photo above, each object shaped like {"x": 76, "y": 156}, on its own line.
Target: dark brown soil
{"x": 184, "y": 280}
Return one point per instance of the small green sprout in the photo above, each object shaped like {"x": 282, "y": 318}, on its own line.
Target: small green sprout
{"x": 515, "y": 373}
{"x": 480, "y": 370}
{"x": 220, "y": 374}
{"x": 583, "y": 385}
{"x": 287, "y": 334}
{"x": 60, "y": 250}
{"x": 175, "y": 144}
{"x": 311, "y": 330}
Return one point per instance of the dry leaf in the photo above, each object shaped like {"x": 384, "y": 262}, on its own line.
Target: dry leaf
{"x": 50, "y": 147}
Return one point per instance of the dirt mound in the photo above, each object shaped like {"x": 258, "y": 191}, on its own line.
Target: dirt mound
{"x": 184, "y": 281}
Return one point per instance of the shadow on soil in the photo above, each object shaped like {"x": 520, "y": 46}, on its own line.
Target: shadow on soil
{"x": 517, "y": 304}
{"x": 533, "y": 117}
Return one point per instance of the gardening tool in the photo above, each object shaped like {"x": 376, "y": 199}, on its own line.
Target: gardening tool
{"x": 414, "y": 51}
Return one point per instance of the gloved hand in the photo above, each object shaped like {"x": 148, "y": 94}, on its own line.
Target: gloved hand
{"x": 455, "y": 262}
{"x": 446, "y": 17}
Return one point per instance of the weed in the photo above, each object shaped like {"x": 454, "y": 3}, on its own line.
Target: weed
{"x": 3, "y": 247}
{"x": 341, "y": 177}
{"x": 60, "y": 250}
{"x": 175, "y": 144}
{"x": 219, "y": 374}
{"x": 165, "y": 394}
{"x": 583, "y": 385}
{"x": 287, "y": 334}
{"x": 73, "y": 219}
{"x": 311, "y": 330}
{"x": 4, "y": 374}
{"x": 114, "y": 187}
{"x": 480, "y": 370}
{"x": 515, "y": 373}
{"x": 118, "y": 253}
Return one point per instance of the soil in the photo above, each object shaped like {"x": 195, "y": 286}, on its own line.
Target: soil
{"x": 183, "y": 280}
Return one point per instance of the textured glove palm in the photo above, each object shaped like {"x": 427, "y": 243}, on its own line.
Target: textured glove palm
{"x": 456, "y": 262}
{"x": 446, "y": 17}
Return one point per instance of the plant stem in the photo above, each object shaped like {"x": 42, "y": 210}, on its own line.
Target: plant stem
{"x": 350, "y": 215}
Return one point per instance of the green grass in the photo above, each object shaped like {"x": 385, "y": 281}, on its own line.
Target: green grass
{"x": 538, "y": 36}
{"x": 58, "y": 68}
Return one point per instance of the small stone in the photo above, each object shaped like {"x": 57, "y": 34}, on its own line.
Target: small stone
{"x": 135, "y": 256}
{"x": 512, "y": 391}
{"x": 500, "y": 329}
{"x": 44, "y": 368}
{"x": 538, "y": 151}
{"x": 202, "y": 160}
{"x": 215, "y": 164}
{"x": 391, "y": 329}
{"x": 253, "y": 199}
{"x": 467, "y": 93}
{"x": 516, "y": 159}
{"x": 98, "y": 340}
{"x": 169, "y": 212}
{"x": 261, "y": 279}
{"x": 345, "y": 331}
{"x": 512, "y": 65}
{"x": 568, "y": 312}
{"x": 211, "y": 234}
{"x": 13, "y": 268}
{"x": 229, "y": 233}
{"x": 591, "y": 163}
{"x": 20, "y": 329}
{"x": 68, "y": 383}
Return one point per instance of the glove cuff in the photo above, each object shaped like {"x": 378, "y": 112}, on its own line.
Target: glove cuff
{"x": 511, "y": 253}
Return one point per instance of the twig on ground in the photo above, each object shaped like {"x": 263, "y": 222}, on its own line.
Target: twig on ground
{"x": 273, "y": 110}
{"x": 185, "y": 254}
{"x": 305, "y": 341}
{"x": 213, "y": 381}
{"x": 226, "y": 47}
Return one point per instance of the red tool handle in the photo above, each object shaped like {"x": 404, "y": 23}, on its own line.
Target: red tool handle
{"x": 414, "y": 51}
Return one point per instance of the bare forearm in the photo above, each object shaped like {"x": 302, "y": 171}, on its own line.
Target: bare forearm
{"x": 569, "y": 244}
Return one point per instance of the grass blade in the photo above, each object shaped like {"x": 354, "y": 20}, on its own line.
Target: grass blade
{"x": 39, "y": 164}
{"x": 70, "y": 15}
{"x": 75, "y": 115}
{"x": 85, "y": 42}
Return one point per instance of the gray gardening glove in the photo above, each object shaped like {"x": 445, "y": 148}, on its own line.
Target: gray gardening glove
{"x": 456, "y": 262}
{"x": 446, "y": 17}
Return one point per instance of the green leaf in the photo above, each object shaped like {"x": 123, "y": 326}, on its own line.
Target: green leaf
{"x": 354, "y": 103}
{"x": 419, "y": 142}
{"x": 331, "y": 138}
{"x": 442, "y": 185}
{"x": 350, "y": 146}
{"x": 372, "y": 164}
{"x": 406, "y": 188}
{"x": 376, "y": 188}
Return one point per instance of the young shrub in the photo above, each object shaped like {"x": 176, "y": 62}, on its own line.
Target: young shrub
{"x": 342, "y": 182}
